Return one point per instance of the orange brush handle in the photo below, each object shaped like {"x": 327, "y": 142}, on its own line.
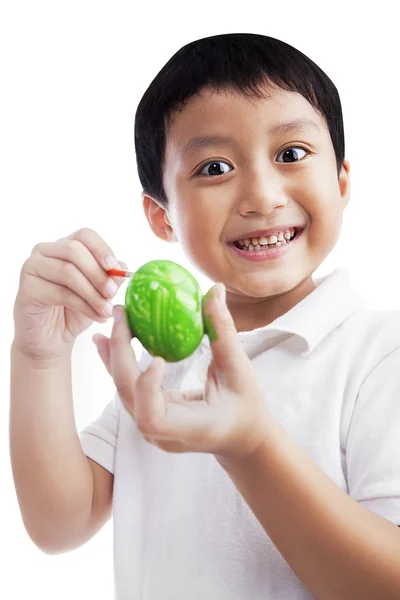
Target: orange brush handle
{"x": 119, "y": 273}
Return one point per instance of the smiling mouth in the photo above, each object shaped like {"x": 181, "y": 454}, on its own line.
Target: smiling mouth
{"x": 265, "y": 243}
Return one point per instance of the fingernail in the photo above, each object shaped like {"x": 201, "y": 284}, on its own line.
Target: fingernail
{"x": 108, "y": 309}
{"x": 110, "y": 262}
{"x": 111, "y": 288}
{"x": 118, "y": 312}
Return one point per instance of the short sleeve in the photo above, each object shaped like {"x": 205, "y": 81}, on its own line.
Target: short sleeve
{"x": 99, "y": 438}
{"x": 373, "y": 443}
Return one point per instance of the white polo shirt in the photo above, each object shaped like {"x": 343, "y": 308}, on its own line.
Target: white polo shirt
{"x": 330, "y": 371}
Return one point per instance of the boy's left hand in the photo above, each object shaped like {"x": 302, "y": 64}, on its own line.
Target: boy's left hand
{"x": 228, "y": 418}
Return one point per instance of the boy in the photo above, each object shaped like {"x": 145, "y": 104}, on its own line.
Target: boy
{"x": 272, "y": 470}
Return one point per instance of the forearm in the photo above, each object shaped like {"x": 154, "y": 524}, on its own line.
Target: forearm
{"x": 338, "y": 548}
{"x": 53, "y": 479}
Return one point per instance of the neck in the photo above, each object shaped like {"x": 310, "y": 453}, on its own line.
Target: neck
{"x": 252, "y": 313}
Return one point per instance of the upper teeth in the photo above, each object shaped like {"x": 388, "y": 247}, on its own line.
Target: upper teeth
{"x": 272, "y": 239}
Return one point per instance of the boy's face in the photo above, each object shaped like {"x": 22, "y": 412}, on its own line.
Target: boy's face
{"x": 248, "y": 182}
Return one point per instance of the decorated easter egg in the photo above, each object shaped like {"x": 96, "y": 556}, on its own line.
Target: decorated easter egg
{"x": 163, "y": 304}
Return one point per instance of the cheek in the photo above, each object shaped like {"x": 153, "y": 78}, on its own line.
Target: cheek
{"x": 198, "y": 236}
{"x": 326, "y": 221}
{"x": 201, "y": 216}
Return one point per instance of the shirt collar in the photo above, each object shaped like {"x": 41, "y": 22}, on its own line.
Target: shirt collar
{"x": 332, "y": 302}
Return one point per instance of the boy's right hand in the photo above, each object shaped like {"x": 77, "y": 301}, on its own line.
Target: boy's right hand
{"x": 63, "y": 288}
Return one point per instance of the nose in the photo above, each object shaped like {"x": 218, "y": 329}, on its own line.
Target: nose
{"x": 262, "y": 191}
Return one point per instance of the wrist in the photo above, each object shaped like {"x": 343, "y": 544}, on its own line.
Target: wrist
{"x": 246, "y": 447}
{"x": 39, "y": 362}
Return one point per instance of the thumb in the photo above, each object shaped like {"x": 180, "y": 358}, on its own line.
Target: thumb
{"x": 229, "y": 357}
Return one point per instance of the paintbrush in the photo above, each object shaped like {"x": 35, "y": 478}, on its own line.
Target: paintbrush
{"x": 119, "y": 273}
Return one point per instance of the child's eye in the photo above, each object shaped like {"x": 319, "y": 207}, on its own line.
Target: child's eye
{"x": 213, "y": 168}
{"x": 292, "y": 152}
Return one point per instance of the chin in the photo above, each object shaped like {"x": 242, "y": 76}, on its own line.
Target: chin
{"x": 276, "y": 284}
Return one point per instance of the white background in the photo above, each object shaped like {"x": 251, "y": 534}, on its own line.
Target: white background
{"x": 72, "y": 74}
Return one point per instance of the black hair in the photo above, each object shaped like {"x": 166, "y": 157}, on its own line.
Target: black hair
{"x": 234, "y": 61}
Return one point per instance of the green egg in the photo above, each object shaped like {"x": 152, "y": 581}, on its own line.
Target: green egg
{"x": 163, "y": 303}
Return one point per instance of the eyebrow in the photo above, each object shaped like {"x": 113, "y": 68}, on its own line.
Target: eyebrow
{"x": 208, "y": 141}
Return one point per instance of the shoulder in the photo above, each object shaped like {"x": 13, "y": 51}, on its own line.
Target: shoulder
{"x": 376, "y": 326}
{"x": 369, "y": 338}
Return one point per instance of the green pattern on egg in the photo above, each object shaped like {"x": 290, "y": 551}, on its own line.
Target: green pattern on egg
{"x": 163, "y": 303}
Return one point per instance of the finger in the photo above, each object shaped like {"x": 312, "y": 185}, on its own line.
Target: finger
{"x": 102, "y": 344}
{"x": 100, "y": 250}
{"x": 124, "y": 368}
{"x": 150, "y": 406}
{"x": 162, "y": 419}
{"x": 52, "y": 294}
{"x": 168, "y": 445}
{"x": 73, "y": 251}
{"x": 66, "y": 274}
{"x": 97, "y": 246}
{"x": 229, "y": 356}
{"x": 120, "y": 280}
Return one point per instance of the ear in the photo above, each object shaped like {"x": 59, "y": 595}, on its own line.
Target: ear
{"x": 344, "y": 183}
{"x": 158, "y": 219}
